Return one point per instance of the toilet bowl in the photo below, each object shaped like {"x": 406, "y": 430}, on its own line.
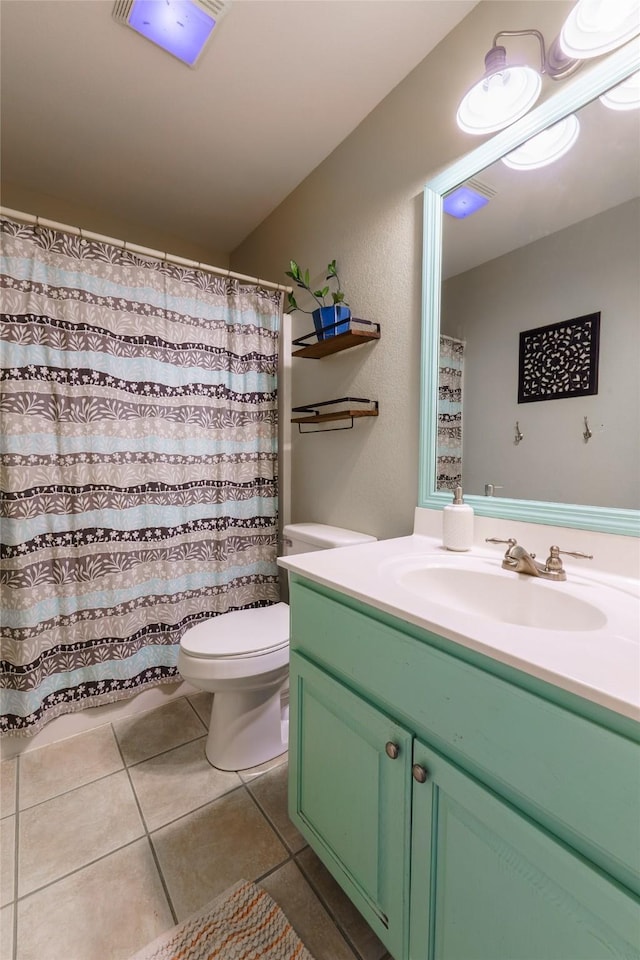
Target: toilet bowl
{"x": 242, "y": 657}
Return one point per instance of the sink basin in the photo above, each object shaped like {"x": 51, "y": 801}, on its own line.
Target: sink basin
{"x": 503, "y": 597}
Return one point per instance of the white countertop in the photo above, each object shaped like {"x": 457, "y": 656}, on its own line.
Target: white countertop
{"x": 601, "y": 664}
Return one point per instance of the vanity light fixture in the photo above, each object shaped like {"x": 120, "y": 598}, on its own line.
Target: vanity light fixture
{"x": 503, "y": 94}
{"x": 181, "y": 27}
{"x": 625, "y": 96}
{"x": 595, "y": 27}
{"x": 507, "y": 91}
{"x": 546, "y": 147}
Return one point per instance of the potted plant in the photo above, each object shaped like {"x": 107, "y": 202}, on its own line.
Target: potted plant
{"x": 328, "y": 318}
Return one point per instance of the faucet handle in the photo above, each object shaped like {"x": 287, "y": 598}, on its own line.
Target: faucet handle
{"x": 555, "y": 563}
{"x": 512, "y": 542}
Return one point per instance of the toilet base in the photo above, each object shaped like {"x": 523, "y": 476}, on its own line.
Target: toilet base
{"x": 246, "y": 728}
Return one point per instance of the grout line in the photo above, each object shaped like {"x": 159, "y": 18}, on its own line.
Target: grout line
{"x": 147, "y": 834}
{"x": 16, "y": 855}
{"x": 334, "y": 919}
{"x": 273, "y": 826}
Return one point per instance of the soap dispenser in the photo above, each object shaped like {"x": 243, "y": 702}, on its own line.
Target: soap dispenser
{"x": 457, "y": 524}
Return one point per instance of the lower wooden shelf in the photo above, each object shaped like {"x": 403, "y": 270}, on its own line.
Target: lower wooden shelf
{"x": 312, "y": 415}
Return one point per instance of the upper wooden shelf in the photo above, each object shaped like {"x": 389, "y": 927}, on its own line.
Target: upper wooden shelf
{"x": 360, "y": 331}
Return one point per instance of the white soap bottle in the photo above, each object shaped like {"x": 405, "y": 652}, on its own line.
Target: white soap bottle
{"x": 457, "y": 524}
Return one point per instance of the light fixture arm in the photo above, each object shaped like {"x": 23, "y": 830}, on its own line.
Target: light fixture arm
{"x": 525, "y": 33}
{"x": 553, "y": 61}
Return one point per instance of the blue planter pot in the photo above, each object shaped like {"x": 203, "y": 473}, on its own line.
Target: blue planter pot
{"x": 329, "y": 321}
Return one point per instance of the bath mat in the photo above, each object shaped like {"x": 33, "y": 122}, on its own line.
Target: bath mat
{"x": 244, "y": 923}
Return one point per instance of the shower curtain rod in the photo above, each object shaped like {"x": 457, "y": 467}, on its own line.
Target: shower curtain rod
{"x": 135, "y": 248}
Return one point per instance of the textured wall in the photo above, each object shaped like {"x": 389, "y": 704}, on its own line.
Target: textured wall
{"x": 363, "y": 205}
{"x": 27, "y": 200}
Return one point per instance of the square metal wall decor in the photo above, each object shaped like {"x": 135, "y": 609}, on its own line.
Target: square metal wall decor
{"x": 559, "y": 360}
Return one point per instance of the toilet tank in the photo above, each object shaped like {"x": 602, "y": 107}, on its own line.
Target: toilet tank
{"x": 307, "y": 537}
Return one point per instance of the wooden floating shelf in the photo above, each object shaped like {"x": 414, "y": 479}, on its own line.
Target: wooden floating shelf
{"x": 341, "y": 415}
{"x": 361, "y": 331}
{"x": 311, "y": 414}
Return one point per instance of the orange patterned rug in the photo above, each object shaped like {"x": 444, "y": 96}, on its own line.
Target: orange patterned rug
{"x": 244, "y": 923}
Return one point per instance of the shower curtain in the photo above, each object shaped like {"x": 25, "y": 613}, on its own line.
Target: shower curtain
{"x": 449, "y": 456}
{"x": 138, "y": 468}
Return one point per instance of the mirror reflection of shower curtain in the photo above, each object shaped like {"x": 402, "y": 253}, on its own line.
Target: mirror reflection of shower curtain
{"x": 451, "y": 368}
{"x": 138, "y": 470}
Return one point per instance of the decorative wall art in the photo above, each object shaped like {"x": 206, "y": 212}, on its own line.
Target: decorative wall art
{"x": 559, "y": 360}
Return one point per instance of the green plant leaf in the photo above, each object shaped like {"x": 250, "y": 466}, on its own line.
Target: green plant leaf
{"x": 331, "y": 269}
{"x": 295, "y": 270}
{"x": 307, "y": 279}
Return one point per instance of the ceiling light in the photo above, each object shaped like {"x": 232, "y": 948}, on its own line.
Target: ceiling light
{"x": 545, "y": 147}
{"x": 181, "y": 27}
{"x": 463, "y": 201}
{"x": 595, "y": 27}
{"x": 625, "y": 96}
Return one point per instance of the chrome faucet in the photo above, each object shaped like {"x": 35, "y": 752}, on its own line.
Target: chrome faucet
{"x": 518, "y": 560}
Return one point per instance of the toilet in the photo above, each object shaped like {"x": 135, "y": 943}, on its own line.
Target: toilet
{"x": 242, "y": 657}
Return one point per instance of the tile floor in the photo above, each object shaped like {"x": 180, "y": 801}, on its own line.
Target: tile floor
{"x": 112, "y": 836}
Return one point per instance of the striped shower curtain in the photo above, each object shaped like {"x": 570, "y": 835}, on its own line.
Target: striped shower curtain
{"x": 138, "y": 467}
{"x": 449, "y": 454}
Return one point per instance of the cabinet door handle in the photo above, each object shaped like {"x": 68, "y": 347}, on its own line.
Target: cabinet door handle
{"x": 392, "y": 750}
{"x": 419, "y": 773}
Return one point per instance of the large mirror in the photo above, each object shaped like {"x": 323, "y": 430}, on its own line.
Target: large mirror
{"x": 552, "y": 254}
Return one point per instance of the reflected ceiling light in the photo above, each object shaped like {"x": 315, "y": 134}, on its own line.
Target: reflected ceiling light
{"x": 626, "y": 96}
{"x": 463, "y": 201}
{"x": 595, "y": 27}
{"x": 181, "y": 27}
{"x": 545, "y": 147}
{"x": 507, "y": 91}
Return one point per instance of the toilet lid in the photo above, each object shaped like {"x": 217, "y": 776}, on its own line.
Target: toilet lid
{"x": 240, "y": 633}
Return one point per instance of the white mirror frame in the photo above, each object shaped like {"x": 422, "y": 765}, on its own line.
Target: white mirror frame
{"x": 575, "y": 94}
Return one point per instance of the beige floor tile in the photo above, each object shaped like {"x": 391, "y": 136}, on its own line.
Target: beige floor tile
{"x": 71, "y": 831}
{"x": 306, "y": 914}
{"x": 204, "y": 853}
{"x": 175, "y": 783}
{"x": 150, "y": 733}
{"x": 7, "y": 859}
{"x": 8, "y": 770}
{"x": 201, "y": 703}
{"x": 350, "y": 919}
{"x": 270, "y": 792}
{"x": 59, "y": 767}
{"x": 6, "y": 933}
{"x": 252, "y": 773}
{"x": 107, "y": 911}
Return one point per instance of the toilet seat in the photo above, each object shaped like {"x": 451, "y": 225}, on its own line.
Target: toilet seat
{"x": 239, "y": 635}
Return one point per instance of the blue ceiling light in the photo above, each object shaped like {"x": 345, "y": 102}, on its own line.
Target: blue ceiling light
{"x": 181, "y": 27}
{"x": 463, "y": 201}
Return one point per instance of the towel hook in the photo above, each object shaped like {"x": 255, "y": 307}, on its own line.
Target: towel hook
{"x": 587, "y": 434}
{"x": 519, "y": 434}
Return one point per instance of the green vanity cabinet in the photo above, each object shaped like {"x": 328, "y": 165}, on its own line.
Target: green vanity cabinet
{"x": 488, "y": 884}
{"x": 419, "y": 780}
{"x": 351, "y": 796}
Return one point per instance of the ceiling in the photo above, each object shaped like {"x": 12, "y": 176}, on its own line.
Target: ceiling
{"x": 601, "y": 171}
{"x": 94, "y": 114}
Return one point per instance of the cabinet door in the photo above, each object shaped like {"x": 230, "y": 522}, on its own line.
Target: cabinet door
{"x": 489, "y": 884}
{"x": 350, "y": 799}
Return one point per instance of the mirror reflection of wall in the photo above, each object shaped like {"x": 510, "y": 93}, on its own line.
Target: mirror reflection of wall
{"x": 551, "y": 245}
